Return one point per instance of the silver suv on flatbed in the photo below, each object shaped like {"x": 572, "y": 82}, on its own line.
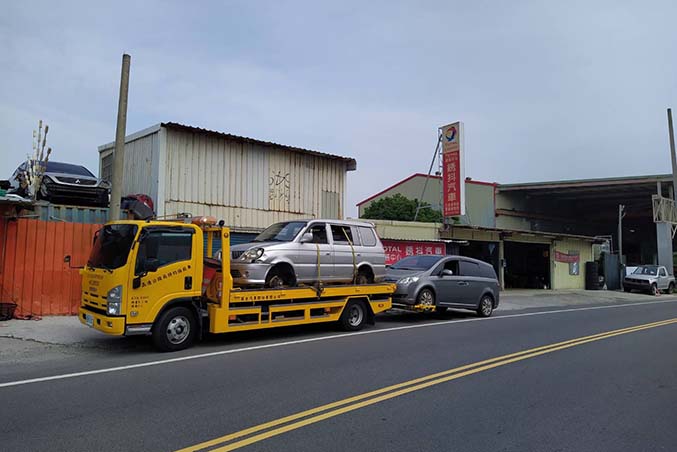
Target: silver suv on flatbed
{"x": 308, "y": 251}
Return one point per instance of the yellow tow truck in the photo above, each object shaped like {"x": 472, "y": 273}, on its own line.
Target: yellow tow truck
{"x": 157, "y": 278}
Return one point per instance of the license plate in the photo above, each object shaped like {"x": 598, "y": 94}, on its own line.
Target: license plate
{"x": 89, "y": 319}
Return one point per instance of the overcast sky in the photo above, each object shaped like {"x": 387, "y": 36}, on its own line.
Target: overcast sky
{"x": 547, "y": 90}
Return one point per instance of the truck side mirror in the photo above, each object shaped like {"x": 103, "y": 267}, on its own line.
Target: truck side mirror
{"x": 307, "y": 237}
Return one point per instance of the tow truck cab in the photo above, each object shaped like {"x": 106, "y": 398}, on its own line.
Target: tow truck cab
{"x": 135, "y": 270}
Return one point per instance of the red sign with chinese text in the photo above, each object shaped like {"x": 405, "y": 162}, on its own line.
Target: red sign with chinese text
{"x": 452, "y": 183}
{"x": 566, "y": 258}
{"x": 399, "y": 249}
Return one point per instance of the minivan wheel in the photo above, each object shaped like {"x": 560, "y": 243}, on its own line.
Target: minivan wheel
{"x": 486, "y": 306}
{"x": 426, "y": 297}
{"x": 364, "y": 276}
{"x": 278, "y": 278}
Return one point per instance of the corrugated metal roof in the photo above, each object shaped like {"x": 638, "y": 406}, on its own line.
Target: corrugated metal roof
{"x": 351, "y": 162}
{"x": 608, "y": 181}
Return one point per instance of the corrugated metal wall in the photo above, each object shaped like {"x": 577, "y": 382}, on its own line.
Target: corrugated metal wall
{"x": 141, "y": 165}
{"x": 247, "y": 185}
{"x": 34, "y": 274}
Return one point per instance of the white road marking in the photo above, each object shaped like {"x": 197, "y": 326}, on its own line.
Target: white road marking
{"x": 315, "y": 339}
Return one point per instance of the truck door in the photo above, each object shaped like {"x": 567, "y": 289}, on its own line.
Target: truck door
{"x": 164, "y": 269}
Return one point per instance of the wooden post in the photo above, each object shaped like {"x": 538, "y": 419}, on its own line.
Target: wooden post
{"x": 120, "y": 132}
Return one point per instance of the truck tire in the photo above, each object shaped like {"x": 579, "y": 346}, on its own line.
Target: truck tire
{"x": 671, "y": 288}
{"x": 175, "y": 329}
{"x": 353, "y": 317}
{"x": 653, "y": 290}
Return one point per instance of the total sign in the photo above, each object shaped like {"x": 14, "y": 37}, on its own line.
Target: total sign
{"x": 453, "y": 172}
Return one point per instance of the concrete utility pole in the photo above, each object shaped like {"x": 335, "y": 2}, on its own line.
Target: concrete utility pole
{"x": 672, "y": 154}
{"x": 621, "y": 209}
{"x": 120, "y": 132}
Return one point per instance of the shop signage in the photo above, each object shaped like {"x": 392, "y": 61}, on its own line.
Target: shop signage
{"x": 399, "y": 249}
{"x": 566, "y": 258}
{"x": 452, "y": 169}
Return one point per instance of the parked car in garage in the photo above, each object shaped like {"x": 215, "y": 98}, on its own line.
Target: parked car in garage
{"x": 307, "y": 251}
{"x": 68, "y": 183}
{"x": 649, "y": 279}
{"x": 445, "y": 282}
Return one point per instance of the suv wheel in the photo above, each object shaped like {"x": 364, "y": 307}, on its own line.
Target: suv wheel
{"x": 279, "y": 277}
{"x": 364, "y": 276}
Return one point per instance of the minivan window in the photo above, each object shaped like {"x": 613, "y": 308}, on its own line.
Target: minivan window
{"x": 451, "y": 265}
{"x": 368, "y": 236}
{"x": 319, "y": 232}
{"x": 470, "y": 269}
{"x": 423, "y": 262}
{"x": 487, "y": 271}
{"x": 342, "y": 235}
{"x": 281, "y": 232}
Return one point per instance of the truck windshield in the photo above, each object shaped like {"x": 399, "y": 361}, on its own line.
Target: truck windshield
{"x": 111, "y": 246}
{"x": 646, "y": 270}
{"x": 281, "y": 232}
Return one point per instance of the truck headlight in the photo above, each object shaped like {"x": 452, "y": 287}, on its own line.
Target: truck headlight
{"x": 408, "y": 280}
{"x": 252, "y": 254}
{"x": 114, "y": 300}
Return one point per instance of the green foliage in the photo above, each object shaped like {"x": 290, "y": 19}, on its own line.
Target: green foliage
{"x": 401, "y": 208}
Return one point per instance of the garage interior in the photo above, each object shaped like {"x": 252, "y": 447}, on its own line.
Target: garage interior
{"x": 527, "y": 265}
{"x": 591, "y": 208}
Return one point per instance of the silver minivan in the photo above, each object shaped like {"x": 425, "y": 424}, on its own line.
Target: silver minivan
{"x": 308, "y": 251}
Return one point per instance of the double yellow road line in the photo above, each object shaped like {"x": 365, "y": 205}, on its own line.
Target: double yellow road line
{"x": 279, "y": 426}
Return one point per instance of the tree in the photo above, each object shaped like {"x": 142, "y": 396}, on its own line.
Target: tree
{"x": 401, "y": 208}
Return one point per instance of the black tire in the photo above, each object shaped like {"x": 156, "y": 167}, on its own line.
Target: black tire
{"x": 653, "y": 290}
{"x": 426, "y": 297}
{"x": 279, "y": 277}
{"x": 486, "y": 306}
{"x": 627, "y": 289}
{"x": 671, "y": 288}
{"x": 175, "y": 329}
{"x": 354, "y": 316}
{"x": 364, "y": 276}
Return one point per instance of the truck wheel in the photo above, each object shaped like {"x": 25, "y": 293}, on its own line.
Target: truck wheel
{"x": 654, "y": 289}
{"x": 671, "y": 288}
{"x": 627, "y": 289}
{"x": 486, "y": 306}
{"x": 353, "y": 316}
{"x": 175, "y": 330}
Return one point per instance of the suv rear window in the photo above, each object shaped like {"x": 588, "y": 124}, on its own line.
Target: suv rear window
{"x": 368, "y": 236}
{"x": 470, "y": 269}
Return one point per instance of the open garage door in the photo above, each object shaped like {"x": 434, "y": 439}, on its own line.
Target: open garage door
{"x": 527, "y": 265}
{"x": 484, "y": 251}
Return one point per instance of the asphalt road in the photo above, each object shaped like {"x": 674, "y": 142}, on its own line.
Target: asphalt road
{"x": 606, "y": 392}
